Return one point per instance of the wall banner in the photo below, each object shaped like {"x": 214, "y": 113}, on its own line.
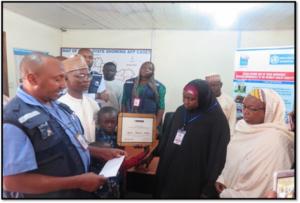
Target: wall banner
{"x": 271, "y": 68}
{"x": 128, "y": 61}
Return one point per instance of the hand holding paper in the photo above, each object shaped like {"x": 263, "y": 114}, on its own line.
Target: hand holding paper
{"x": 112, "y": 167}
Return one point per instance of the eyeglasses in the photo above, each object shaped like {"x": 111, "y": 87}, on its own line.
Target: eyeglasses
{"x": 82, "y": 76}
{"x": 252, "y": 109}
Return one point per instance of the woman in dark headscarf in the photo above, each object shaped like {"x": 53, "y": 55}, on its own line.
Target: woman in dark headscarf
{"x": 195, "y": 151}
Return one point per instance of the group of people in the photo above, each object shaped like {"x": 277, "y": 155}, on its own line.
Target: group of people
{"x": 60, "y": 129}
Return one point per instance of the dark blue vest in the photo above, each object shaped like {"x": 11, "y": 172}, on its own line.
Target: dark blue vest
{"x": 95, "y": 82}
{"x": 55, "y": 154}
{"x": 148, "y": 103}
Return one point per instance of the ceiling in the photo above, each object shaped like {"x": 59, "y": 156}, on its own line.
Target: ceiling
{"x": 175, "y": 16}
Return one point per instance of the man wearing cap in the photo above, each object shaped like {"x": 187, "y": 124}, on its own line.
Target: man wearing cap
{"x": 44, "y": 153}
{"x": 78, "y": 81}
{"x": 61, "y": 58}
{"x": 97, "y": 89}
{"x": 227, "y": 103}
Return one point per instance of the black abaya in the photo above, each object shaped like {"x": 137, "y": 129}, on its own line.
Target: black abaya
{"x": 190, "y": 170}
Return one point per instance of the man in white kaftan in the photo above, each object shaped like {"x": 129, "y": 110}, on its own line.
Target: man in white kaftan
{"x": 226, "y": 102}
{"x": 86, "y": 108}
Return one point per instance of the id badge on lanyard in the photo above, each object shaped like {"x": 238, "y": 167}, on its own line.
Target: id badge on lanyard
{"x": 179, "y": 136}
{"x": 136, "y": 102}
{"x": 82, "y": 141}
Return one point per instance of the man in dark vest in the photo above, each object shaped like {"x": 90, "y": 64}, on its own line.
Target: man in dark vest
{"x": 44, "y": 152}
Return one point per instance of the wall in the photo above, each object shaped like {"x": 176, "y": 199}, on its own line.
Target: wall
{"x": 106, "y": 39}
{"x": 22, "y": 32}
{"x": 180, "y": 56}
{"x": 267, "y": 38}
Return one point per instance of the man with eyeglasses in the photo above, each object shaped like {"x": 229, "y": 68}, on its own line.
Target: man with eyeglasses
{"x": 96, "y": 89}
{"x": 78, "y": 80}
{"x": 227, "y": 103}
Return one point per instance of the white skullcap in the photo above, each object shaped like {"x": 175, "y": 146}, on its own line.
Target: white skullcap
{"x": 76, "y": 62}
{"x": 213, "y": 78}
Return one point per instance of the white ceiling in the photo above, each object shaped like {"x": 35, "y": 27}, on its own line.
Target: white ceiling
{"x": 178, "y": 16}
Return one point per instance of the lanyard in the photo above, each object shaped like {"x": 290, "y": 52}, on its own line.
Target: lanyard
{"x": 200, "y": 115}
{"x": 135, "y": 109}
{"x": 62, "y": 123}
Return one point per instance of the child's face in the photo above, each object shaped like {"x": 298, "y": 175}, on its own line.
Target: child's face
{"x": 108, "y": 122}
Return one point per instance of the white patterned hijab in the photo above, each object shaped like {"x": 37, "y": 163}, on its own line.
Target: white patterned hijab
{"x": 274, "y": 115}
{"x": 275, "y": 108}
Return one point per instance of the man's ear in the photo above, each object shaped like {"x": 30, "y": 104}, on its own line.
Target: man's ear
{"x": 221, "y": 84}
{"x": 32, "y": 78}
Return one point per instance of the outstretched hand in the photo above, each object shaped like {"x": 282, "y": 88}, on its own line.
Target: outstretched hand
{"x": 219, "y": 187}
{"x": 270, "y": 194}
{"x": 110, "y": 153}
{"x": 106, "y": 153}
{"x": 146, "y": 161}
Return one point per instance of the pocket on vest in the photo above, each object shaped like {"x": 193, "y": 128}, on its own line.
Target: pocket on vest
{"x": 54, "y": 165}
{"x": 50, "y": 159}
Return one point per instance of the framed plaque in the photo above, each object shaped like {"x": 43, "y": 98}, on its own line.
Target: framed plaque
{"x": 136, "y": 129}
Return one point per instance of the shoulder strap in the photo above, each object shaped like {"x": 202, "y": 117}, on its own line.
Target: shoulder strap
{"x": 65, "y": 107}
{"x": 69, "y": 110}
{"x": 17, "y": 124}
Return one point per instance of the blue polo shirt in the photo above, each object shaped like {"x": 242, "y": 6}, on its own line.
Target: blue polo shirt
{"x": 18, "y": 152}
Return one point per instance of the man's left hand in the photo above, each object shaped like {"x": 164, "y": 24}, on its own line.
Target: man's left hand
{"x": 106, "y": 153}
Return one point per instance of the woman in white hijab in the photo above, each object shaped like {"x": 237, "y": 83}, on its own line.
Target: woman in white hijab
{"x": 261, "y": 145}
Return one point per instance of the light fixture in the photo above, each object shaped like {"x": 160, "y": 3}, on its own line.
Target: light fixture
{"x": 224, "y": 14}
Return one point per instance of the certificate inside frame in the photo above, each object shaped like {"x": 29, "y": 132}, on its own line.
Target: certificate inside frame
{"x": 136, "y": 129}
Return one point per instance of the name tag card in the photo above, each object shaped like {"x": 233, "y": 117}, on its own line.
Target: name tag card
{"x": 82, "y": 141}
{"x": 179, "y": 137}
{"x": 136, "y": 102}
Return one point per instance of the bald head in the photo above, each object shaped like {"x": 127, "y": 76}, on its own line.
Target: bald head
{"x": 33, "y": 64}
{"x": 43, "y": 76}
{"x": 82, "y": 50}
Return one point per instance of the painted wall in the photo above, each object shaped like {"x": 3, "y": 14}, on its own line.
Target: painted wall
{"x": 180, "y": 56}
{"x": 267, "y": 38}
{"x": 24, "y": 33}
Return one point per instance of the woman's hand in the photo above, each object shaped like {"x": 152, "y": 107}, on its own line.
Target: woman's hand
{"x": 146, "y": 161}
{"x": 271, "y": 194}
{"x": 219, "y": 187}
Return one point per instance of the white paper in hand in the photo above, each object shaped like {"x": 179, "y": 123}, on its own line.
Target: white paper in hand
{"x": 111, "y": 167}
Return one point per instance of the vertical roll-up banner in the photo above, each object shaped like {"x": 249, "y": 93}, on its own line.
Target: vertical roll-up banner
{"x": 271, "y": 68}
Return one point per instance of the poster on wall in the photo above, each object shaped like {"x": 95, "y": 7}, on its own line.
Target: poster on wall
{"x": 271, "y": 68}
{"x": 18, "y": 56}
{"x": 128, "y": 61}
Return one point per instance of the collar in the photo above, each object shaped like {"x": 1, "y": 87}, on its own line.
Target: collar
{"x": 29, "y": 99}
